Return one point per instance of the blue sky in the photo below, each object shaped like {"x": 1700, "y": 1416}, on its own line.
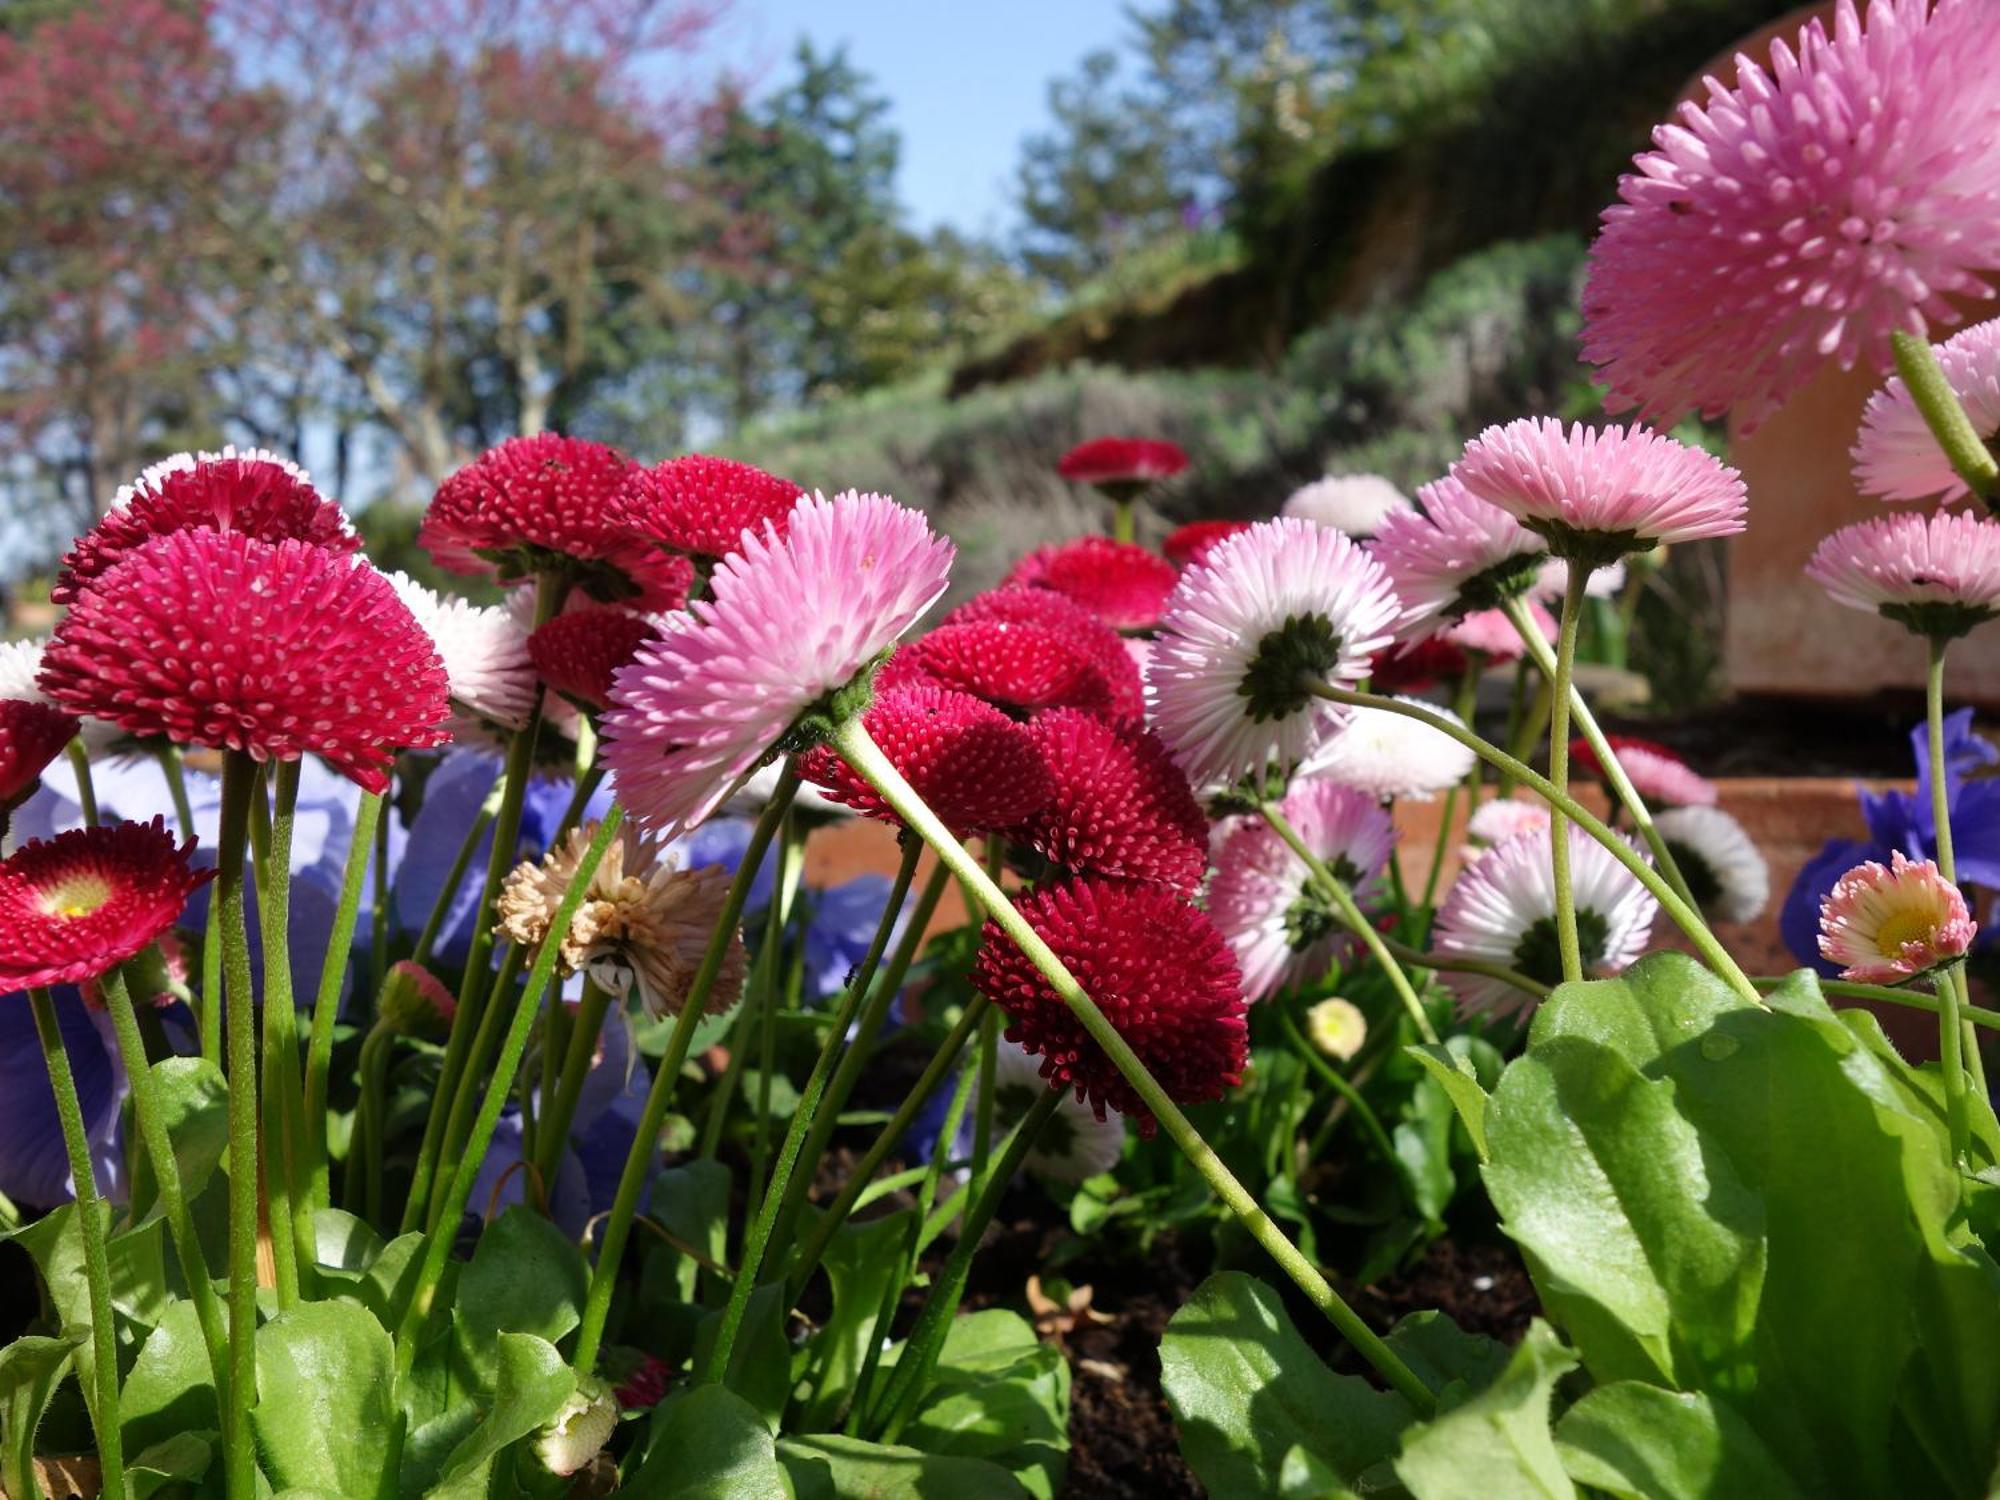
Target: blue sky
{"x": 968, "y": 79}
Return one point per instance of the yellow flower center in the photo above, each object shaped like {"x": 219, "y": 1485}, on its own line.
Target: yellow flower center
{"x": 76, "y": 895}
{"x": 1907, "y": 926}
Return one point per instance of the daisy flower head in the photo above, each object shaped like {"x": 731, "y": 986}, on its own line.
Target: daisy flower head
{"x": 1262, "y": 894}
{"x": 1596, "y": 493}
{"x": 254, "y": 493}
{"x": 415, "y": 1002}
{"x": 1502, "y": 908}
{"x": 1158, "y": 969}
{"x": 1017, "y": 668}
{"x": 1245, "y": 635}
{"x": 1891, "y": 925}
{"x": 1337, "y": 1028}
{"x": 1075, "y": 1144}
{"x": 1121, "y": 583}
{"x": 642, "y": 924}
{"x": 1389, "y": 755}
{"x": 31, "y": 735}
{"x": 1491, "y": 634}
{"x": 791, "y": 627}
{"x": 1117, "y": 805}
{"x": 276, "y": 649}
{"x": 1656, "y": 773}
{"x": 1896, "y": 457}
{"x": 1116, "y": 657}
{"x": 1455, "y": 556}
{"x": 1192, "y": 542}
{"x": 1412, "y": 666}
{"x": 1552, "y": 581}
{"x": 1846, "y": 188}
{"x": 974, "y": 767}
{"x": 1122, "y": 467}
{"x": 78, "y": 905}
{"x": 1500, "y": 819}
{"x": 702, "y": 506}
{"x": 485, "y": 654}
{"x": 1358, "y": 504}
{"x": 1725, "y": 874}
{"x": 559, "y": 506}
{"x": 1936, "y": 575}
{"x": 579, "y": 652}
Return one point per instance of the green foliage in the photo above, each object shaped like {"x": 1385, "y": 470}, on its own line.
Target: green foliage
{"x": 1496, "y": 1445}
{"x": 709, "y": 1444}
{"x": 326, "y": 1418}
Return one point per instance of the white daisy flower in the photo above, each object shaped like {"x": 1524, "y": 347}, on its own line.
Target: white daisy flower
{"x": 1726, "y": 874}
{"x": 1390, "y": 755}
{"x": 484, "y": 649}
{"x": 1354, "y": 503}
{"x": 1074, "y": 1144}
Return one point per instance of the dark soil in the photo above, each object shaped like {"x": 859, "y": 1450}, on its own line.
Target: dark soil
{"x": 1772, "y": 736}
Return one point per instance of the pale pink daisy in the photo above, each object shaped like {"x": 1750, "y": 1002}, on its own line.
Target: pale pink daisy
{"x": 1552, "y": 581}
{"x": 1657, "y": 774}
{"x": 1357, "y": 504}
{"x": 1503, "y": 908}
{"x": 1896, "y": 457}
{"x": 1456, "y": 556}
{"x": 1936, "y": 575}
{"x": 1493, "y": 635}
{"x": 1261, "y": 894}
{"x": 484, "y": 649}
{"x": 1847, "y": 189}
{"x": 788, "y": 626}
{"x": 1390, "y": 755}
{"x": 1596, "y": 493}
{"x": 1244, "y": 634}
{"x": 1889, "y": 926}
{"x": 1715, "y": 854}
{"x": 1503, "y": 817}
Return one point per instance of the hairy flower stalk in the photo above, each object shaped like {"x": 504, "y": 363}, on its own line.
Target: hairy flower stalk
{"x": 239, "y": 785}
{"x": 326, "y": 1008}
{"x": 1956, "y": 1041}
{"x": 280, "y": 1091}
{"x": 860, "y": 752}
{"x": 1971, "y": 459}
{"x": 1562, "y": 689}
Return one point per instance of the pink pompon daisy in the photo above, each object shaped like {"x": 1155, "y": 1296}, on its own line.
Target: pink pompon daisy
{"x": 1495, "y": 637}
{"x": 1455, "y": 556}
{"x": 1086, "y": 635}
{"x": 1936, "y": 575}
{"x": 1121, "y": 583}
{"x": 1657, "y": 774}
{"x": 1896, "y": 457}
{"x": 1502, "y": 908}
{"x": 701, "y": 506}
{"x": 1015, "y": 667}
{"x": 789, "y": 626}
{"x": 554, "y": 505}
{"x": 81, "y": 903}
{"x": 31, "y": 735}
{"x": 1245, "y": 635}
{"x": 278, "y": 649}
{"x": 1191, "y": 542}
{"x": 253, "y": 493}
{"x": 1846, "y": 189}
{"x": 580, "y": 651}
{"x": 1358, "y": 504}
{"x": 1264, "y": 898}
{"x": 1596, "y": 493}
{"x": 1158, "y": 969}
{"x": 1889, "y": 926}
{"x": 1122, "y": 467}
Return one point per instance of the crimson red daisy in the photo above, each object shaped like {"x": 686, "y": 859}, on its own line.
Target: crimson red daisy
{"x": 976, "y": 768}
{"x": 1416, "y": 665}
{"x": 258, "y": 496}
{"x": 1122, "y": 466}
{"x": 701, "y": 505}
{"x": 1016, "y": 668}
{"x": 577, "y": 653}
{"x": 1077, "y": 627}
{"x": 554, "y": 504}
{"x": 31, "y": 735}
{"x": 1118, "y": 804}
{"x": 275, "y": 648}
{"x": 1187, "y": 545}
{"x": 1158, "y": 969}
{"x": 1121, "y": 583}
{"x": 74, "y": 906}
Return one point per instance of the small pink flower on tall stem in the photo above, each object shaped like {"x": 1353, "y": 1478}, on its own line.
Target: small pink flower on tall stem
{"x": 1456, "y": 556}
{"x": 79, "y": 904}
{"x": 1889, "y": 926}
{"x": 1658, "y": 775}
{"x": 1848, "y": 188}
{"x": 1936, "y": 575}
{"x": 1896, "y": 456}
{"x": 1122, "y": 467}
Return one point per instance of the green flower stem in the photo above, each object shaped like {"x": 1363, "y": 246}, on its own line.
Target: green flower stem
{"x": 378, "y": 925}
{"x": 464, "y": 1103}
{"x": 1355, "y": 919}
{"x": 168, "y": 754}
{"x": 209, "y": 1023}
{"x": 1561, "y": 690}
{"x": 920, "y": 1350}
{"x": 1371, "y": 1123}
{"x": 455, "y": 876}
{"x": 1463, "y": 704}
{"x": 364, "y": 1156}
{"x": 874, "y": 1011}
{"x": 239, "y": 786}
{"x": 1970, "y": 458}
{"x": 93, "y": 1219}
{"x": 791, "y": 870}
{"x": 279, "y": 1091}
{"x": 588, "y": 779}
{"x": 561, "y": 1108}
{"x": 1913, "y": 999}
{"x": 1683, "y": 916}
{"x": 411, "y": 1313}
{"x": 1124, "y": 526}
{"x": 1614, "y": 772}
{"x": 867, "y": 758}
{"x": 1453, "y": 963}
{"x": 823, "y": 1229}
{"x": 646, "y": 1142}
{"x": 150, "y": 1116}
{"x": 1951, "y": 1029}
{"x": 326, "y": 1010}
{"x": 86, "y": 789}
